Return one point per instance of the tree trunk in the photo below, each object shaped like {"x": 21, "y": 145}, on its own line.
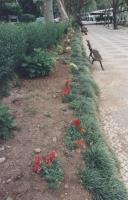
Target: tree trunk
{"x": 48, "y": 10}
{"x": 115, "y": 18}
{"x": 62, "y": 11}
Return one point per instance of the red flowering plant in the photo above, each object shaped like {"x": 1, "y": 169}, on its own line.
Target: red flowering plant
{"x": 37, "y": 164}
{"x": 80, "y": 143}
{"x": 49, "y": 168}
{"x": 74, "y": 137}
{"x": 50, "y": 158}
{"x": 77, "y": 124}
{"x": 67, "y": 89}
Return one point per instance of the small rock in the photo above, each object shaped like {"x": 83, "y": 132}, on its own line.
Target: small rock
{"x": 9, "y": 198}
{"x": 9, "y": 180}
{"x": 37, "y": 150}
{"x": 54, "y": 139}
{"x": 8, "y": 147}
{"x": 2, "y": 159}
{"x": 30, "y": 163}
{"x": 2, "y": 148}
{"x": 47, "y": 114}
{"x": 66, "y": 186}
{"x": 64, "y": 109}
{"x": 54, "y": 96}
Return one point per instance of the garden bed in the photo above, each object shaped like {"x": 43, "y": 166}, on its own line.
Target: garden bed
{"x": 41, "y": 120}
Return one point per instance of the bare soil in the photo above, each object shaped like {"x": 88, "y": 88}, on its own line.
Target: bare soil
{"x": 41, "y": 119}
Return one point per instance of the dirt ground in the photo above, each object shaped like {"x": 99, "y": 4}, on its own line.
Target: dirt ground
{"x": 41, "y": 119}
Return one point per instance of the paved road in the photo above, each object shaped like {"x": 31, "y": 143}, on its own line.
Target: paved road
{"x": 113, "y": 82}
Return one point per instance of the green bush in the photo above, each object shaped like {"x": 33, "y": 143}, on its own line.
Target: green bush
{"x": 10, "y": 9}
{"x": 12, "y": 50}
{"x": 19, "y": 40}
{"x": 27, "y": 18}
{"x": 38, "y": 64}
{"x": 44, "y": 36}
{"x": 6, "y": 122}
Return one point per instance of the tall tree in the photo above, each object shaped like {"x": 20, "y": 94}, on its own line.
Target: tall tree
{"x": 48, "y": 10}
{"x": 74, "y": 8}
{"x": 115, "y": 4}
{"x": 62, "y": 10}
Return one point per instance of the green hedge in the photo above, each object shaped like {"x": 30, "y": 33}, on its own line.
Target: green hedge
{"x": 12, "y": 50}
{"x": 18, "y": 40}
{"x": 101, "y": 173}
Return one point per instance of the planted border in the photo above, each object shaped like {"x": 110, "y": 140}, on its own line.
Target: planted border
{"x": 100, "y": 175}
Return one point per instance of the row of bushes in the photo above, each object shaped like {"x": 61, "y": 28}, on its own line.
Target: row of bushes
{"x": 101, "y": 173}
{"x": 18, "y": 41}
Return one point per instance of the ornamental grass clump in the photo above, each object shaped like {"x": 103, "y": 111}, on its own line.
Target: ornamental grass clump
{"x": 99, "y": 157}
{"x": 103, "y": 188}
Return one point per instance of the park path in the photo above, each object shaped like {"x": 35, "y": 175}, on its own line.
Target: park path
{"x": 113, "y": 83}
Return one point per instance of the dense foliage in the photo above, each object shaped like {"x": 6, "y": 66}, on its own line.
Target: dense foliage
{"x": 12, "y": 50}
{"x": 38, "y": 64}
{"x": 18, "y": 41}
{"x": 6, "y": 122}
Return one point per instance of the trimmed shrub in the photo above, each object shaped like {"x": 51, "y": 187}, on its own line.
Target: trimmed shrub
{"x": 38, "y": 64}
{"x": 6, "y": 122}
{"x": 12, "y": 50}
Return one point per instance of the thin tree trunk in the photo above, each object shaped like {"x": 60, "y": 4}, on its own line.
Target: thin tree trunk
{"x": 115, "y": 18}
{"x": 61, "y": 8}
{"x": 48, "y": 10}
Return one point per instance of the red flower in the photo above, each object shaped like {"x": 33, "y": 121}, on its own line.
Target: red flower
{"x": 37, "y": 164}
{"x": 79, "y": 142}
{"x": 81, "y": 130}
{"x": 66, "y": 91}
{"x": 50, "y": 158}
{"x": 77, "y": 123}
